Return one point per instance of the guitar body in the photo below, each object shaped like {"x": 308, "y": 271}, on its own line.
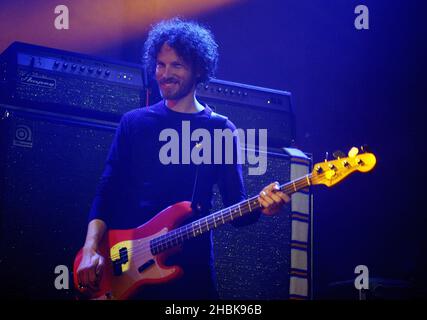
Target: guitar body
{"x": 130, "y": 263}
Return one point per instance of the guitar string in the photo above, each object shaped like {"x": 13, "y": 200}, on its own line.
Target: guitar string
{"x": 136, "y": 251}
{"x": 300, "y": 183}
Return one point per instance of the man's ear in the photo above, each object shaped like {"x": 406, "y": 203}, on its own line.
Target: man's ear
{"x": 197, "y": 71}
{"x": 198, "y": 75}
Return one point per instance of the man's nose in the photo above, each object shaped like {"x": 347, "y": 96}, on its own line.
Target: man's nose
{"x": 167, "y": 72}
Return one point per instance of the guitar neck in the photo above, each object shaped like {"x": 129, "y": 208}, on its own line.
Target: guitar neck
{"x": 219, "y": 218}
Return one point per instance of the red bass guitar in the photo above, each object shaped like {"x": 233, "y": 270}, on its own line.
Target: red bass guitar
{"x": 136, "y": 257}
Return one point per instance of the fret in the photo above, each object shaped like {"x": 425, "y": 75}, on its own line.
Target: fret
{"x": 161, "y": 246}
{"x": 231, "y": 213}
{"x": 222, "y": 217}
{"x": 188, "y": 231}
{"x": 174, "y": 237}
{"x": 153, "y": 247}
{"x": 255, "y": 203}
{"x": 214, "y": 221}
{"x": 192, "y": 227}
{"x": 240, "y": 210}
{"x": 158, "y": 246}
{"x": 196, "y": 228}
{"x": 206, "y": 221}
{"x": 308, "y": 180}
{"x": 169, "y": 241}
{"x": 250, "y": 209}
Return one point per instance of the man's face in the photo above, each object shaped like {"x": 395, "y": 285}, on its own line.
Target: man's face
{"x": 174, "y": 76}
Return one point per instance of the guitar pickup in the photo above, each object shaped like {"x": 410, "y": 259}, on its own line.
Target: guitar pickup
{"x": 117, "y": 264}
{"x": 146, "y": 265}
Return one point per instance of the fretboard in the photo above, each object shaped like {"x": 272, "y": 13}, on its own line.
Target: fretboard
{"x": 196, "y": 228}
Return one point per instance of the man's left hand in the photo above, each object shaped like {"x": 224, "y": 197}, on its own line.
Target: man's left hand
{"x": 272, "y": 199}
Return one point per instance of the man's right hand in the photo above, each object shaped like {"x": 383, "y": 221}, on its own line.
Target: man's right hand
{"x": 90, "y": 270}
{"x": 91, "y": 266}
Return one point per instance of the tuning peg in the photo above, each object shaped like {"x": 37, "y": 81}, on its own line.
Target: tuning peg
{"x": 326, "y": 156}
{"x": 338, "y": 154}
{"x": 365, "y": 148}
{"x": 353, "y": 152}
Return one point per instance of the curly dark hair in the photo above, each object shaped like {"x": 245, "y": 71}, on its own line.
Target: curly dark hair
{"x": 191, "y": 41}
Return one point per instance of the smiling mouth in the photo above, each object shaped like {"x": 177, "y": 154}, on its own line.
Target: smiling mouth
{"x": 168, "y": 84}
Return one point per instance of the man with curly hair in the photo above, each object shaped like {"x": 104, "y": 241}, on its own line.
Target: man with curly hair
{"x": 136, "y": 185}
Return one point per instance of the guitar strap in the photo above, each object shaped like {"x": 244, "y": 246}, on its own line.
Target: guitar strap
{"x": 199, "y": 201}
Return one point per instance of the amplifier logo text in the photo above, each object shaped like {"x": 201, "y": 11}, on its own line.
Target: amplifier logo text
{"x": 39, "y": 81}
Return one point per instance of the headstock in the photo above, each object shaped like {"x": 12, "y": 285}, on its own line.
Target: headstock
{"x": 331, "y": 172}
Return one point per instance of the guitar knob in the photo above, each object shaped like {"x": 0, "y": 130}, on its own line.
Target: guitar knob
{"x": 319, "y": 169}
{"x": 338, "y": 154}
{"x": 353, "y": 152}
{"x": 365, "y": 148}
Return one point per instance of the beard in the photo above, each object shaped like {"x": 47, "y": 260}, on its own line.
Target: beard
{"x": 172, "y": 89}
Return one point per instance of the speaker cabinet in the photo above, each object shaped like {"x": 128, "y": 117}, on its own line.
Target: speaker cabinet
{"x": 269, "y": 259}
{"x": 49, "y": 171}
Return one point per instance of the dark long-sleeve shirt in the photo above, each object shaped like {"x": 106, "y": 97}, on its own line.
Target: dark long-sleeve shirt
{"x": 136, "y": 185}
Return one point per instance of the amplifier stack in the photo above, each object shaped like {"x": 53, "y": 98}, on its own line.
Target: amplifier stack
{"x": 58, "y": 114}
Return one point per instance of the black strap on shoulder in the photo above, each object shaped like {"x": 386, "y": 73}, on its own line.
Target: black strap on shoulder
{"x": 219, "y": 119}
{"x": 197, "y": 202}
